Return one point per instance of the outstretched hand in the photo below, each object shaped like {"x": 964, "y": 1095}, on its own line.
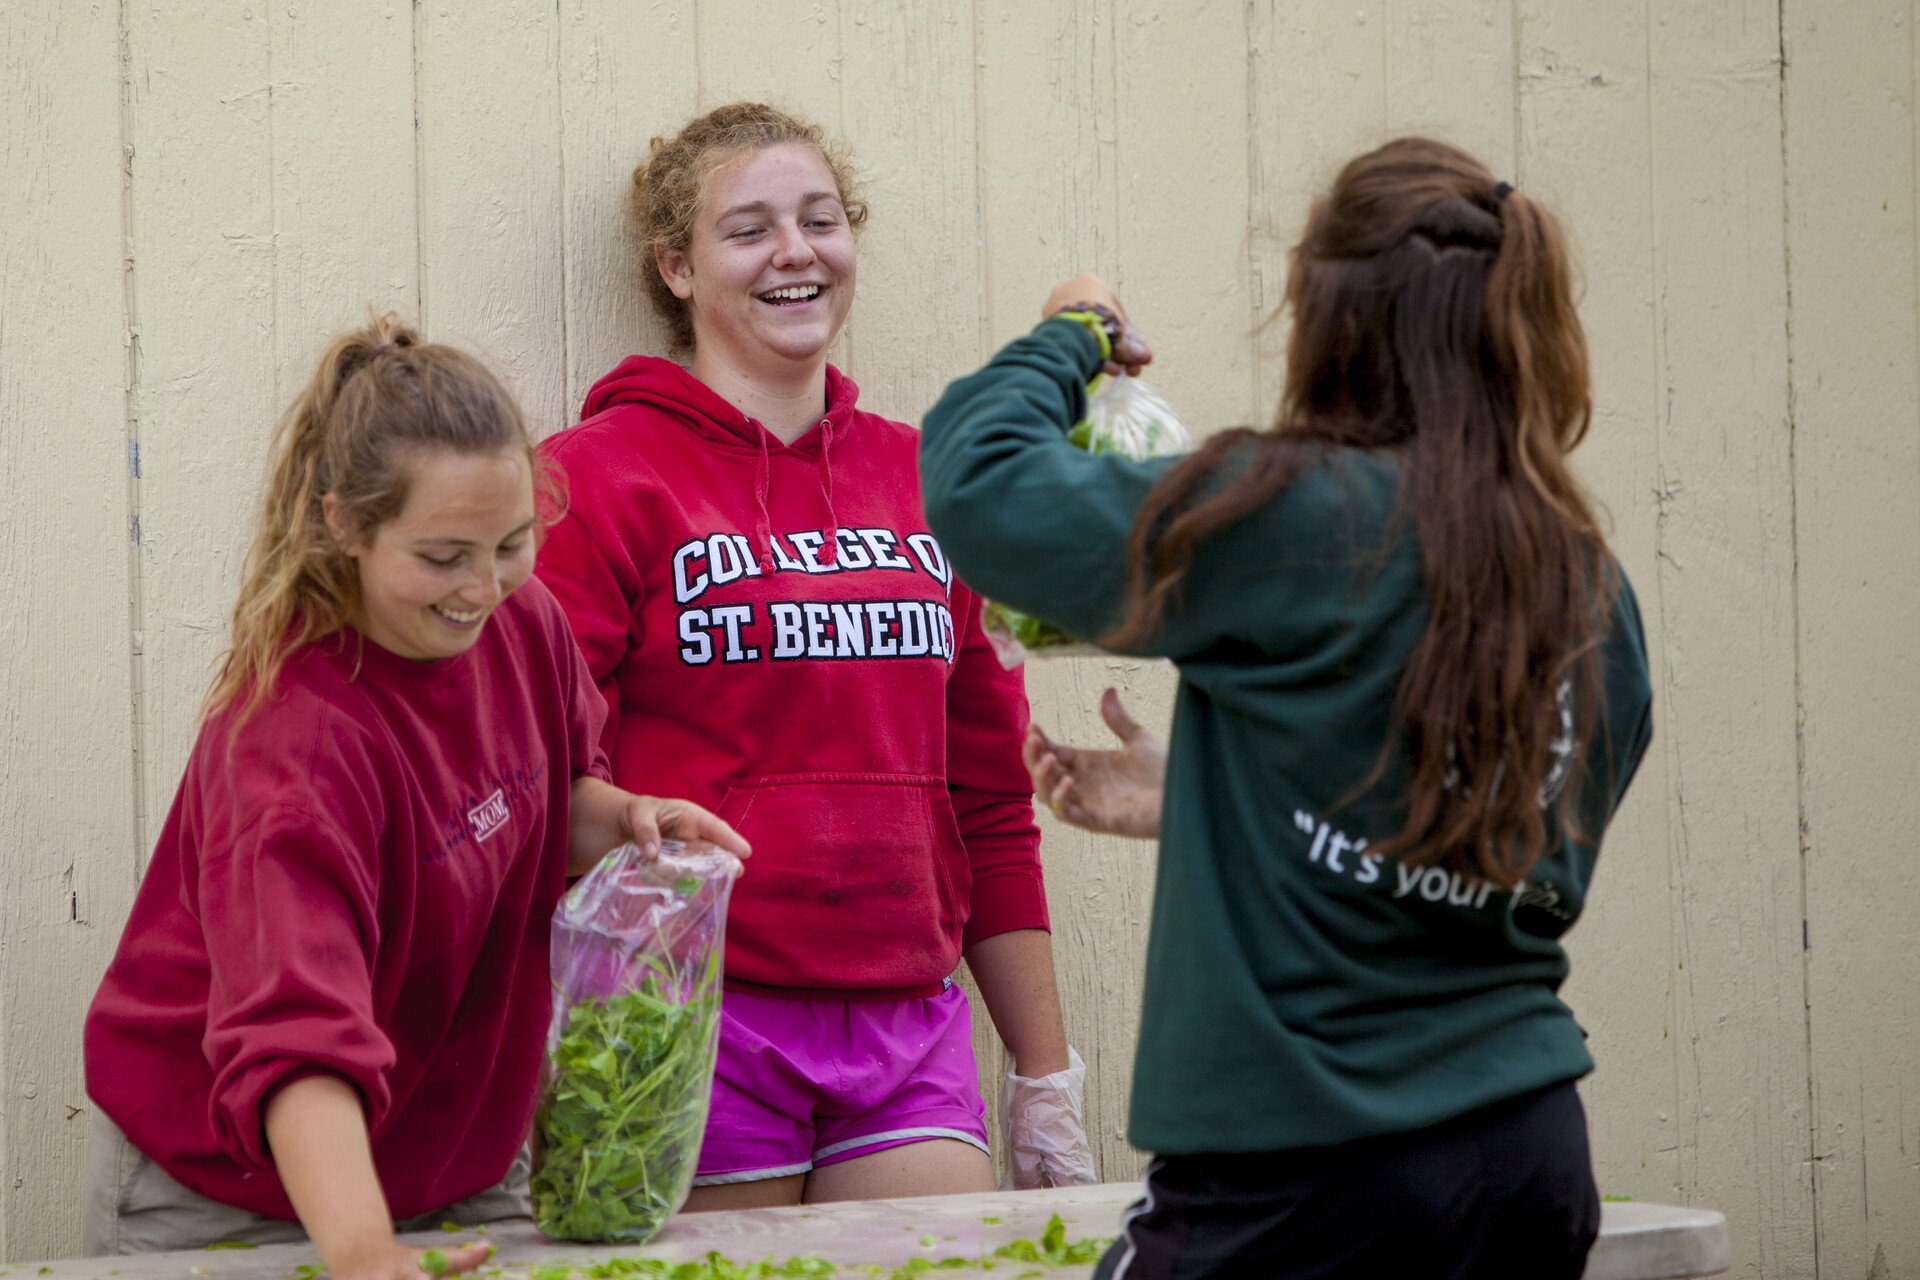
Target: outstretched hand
{"x": 1116, "y": 792}
{"x": 316, "y": 1129}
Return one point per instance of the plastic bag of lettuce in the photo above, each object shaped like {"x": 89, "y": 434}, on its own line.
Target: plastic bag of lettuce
{"x": 1124, "y": 416}
{"x": 636, "y": 954}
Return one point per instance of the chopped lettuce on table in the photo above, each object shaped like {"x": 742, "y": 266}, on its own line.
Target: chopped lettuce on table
{"x": 1052, "y": 1250}
{"x": 1124, "y": 416}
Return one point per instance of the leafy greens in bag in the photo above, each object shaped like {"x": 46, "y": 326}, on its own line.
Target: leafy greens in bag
{"x": 637, "y": 947}
{"x": 1124, "y": 416}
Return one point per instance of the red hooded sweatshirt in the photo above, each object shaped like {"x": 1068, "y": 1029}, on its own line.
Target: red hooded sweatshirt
{"x": 779, "y": 638}
{"x": 357, "y": 880}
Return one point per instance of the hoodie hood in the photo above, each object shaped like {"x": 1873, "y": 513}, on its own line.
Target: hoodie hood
{"x": 662, "y": 384}
{"x": 653, "y": 381}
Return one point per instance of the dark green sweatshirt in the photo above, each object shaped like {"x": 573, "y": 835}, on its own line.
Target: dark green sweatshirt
{"x": 1300, "y": 991}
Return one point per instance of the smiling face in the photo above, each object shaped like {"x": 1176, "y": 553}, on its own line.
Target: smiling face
{"x": 768, "y": 276}
{"x": 432, "y": 575}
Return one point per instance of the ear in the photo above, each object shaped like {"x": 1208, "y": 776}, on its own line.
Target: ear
{"x": 343, "y": 535}
{"x": 675, "y": 270}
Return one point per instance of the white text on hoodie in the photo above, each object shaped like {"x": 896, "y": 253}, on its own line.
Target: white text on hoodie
{"x": 810, "y": 629}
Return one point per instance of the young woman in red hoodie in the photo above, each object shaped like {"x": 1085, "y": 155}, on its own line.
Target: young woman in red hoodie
{"x": 750, "y": 577}
{"x": 331, "y": 997}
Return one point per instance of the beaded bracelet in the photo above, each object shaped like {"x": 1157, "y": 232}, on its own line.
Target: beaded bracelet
{"x": 1105, "y": 326}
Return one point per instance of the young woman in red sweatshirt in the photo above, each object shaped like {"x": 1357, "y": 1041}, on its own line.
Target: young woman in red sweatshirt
{"x": 330, "y": 1000}
{"x": 750, "y": 577}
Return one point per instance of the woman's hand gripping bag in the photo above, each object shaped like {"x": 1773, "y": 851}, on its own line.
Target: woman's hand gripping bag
{"x": 637, "y": 947}
{"x": 1124, "y": 416}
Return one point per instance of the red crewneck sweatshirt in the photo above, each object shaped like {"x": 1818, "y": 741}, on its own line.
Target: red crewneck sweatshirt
{"x": 780, "y": 638}
{"x": 360, "y": 881}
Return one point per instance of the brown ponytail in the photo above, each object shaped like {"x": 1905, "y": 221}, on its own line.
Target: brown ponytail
{"x": 1433, "y": 314}
{"x": 377, "y": 392}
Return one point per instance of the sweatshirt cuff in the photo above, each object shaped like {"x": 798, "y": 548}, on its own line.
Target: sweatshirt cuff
{"x": 1005, "y": 899}
{"x": 240, "y": 1106}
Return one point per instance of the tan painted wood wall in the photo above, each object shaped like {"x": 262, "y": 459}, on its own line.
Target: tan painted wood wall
{"x": 195, "y": 195}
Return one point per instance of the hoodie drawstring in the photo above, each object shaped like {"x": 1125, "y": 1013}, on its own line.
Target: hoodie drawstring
{"x": 763, "y": 523}
{"x": 763, "y": 484}
{"x": 826, "y": 489}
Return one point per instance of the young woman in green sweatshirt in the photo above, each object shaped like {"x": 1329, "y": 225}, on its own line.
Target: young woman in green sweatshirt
{"x": 1413, "y": 689}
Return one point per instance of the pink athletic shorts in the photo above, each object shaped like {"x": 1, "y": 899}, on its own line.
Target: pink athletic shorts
{"x": 805, "y": 1083}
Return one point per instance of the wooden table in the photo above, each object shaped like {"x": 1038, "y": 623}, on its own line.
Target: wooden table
{"x": 1637, "y": 1241}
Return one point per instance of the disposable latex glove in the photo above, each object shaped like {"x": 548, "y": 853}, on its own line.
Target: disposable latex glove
{"x": 1046, "y": 1138}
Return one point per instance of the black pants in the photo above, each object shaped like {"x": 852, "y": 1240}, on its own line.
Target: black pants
{"x": 1506, "y": 1191}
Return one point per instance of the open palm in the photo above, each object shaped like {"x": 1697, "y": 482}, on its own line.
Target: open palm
{"x": 1116, "y": 792}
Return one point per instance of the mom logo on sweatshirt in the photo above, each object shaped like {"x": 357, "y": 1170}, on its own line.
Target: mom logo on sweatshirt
{"x": 478, "y": 819}
{"x": 489, "y": 815}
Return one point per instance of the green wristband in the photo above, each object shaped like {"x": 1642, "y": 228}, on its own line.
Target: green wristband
{"x": 1096, "y": 324}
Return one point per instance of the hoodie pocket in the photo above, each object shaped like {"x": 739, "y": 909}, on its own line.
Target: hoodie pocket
{"x": 857, "y": 881}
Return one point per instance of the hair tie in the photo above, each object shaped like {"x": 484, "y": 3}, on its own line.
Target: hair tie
{"x": 1501, "y": 190}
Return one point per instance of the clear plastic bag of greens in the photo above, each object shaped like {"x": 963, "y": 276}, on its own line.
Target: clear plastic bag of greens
{"x": 1128, "y": 417}
{"x": 637, "y": 947}
{"x": 1124, "y": 416}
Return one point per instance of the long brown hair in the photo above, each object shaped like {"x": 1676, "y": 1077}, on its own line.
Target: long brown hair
{"x": 377, "y": 394}
{"x": 670, "y": 183}
{"x": 1433, "y": 315}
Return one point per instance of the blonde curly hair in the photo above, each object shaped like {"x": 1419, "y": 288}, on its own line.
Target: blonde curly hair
{"x": 669, "y": 185}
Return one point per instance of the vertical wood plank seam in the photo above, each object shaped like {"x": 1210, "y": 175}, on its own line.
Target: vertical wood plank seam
{"x": 130, "y": 377}
{"x": 850, "y": 333}
{"x": 567, "y": 388}
{"x": 273, "y": 198}
{"x": 1519, "y": 151}
{"x": 1799, "y": 691}
{"x": 1110, "y": 152}
{"x": 1386, "y": 65}
{"x": 1662, "y": 411}
{"x": 699, "y": 64}
{"x": 1256, "y": 291}
{"x": 1913, "y": 126}
{"x": 1866, "y": 1201}
{"x": 983, "y": 260}
{"x": 419, "y": 187}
